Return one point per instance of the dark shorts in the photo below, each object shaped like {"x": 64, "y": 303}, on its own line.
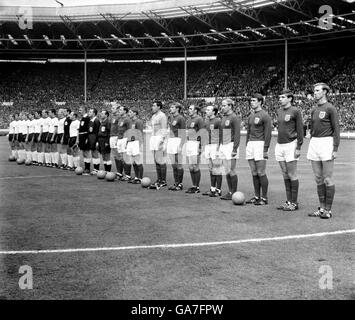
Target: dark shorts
{"x": 11, "y": 137}
{"x": 71, "y": 142}
{"x": 20, "y": 137}
{"x": 58, "y": 138}
{"x": 30, "y": 137}
{"x": 66, "y": 140}
{"x": 49, "y": 139}
{"x": 36, "y": 137}
{"x": 44, "y": 137}
{"x": 104, "y": 145}
{"x": 83, "y": 145}
{"x": 92, "y": 139}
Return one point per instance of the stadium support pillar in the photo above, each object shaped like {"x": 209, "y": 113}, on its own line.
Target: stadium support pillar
{"x": 185, "y": 74}
{"x": 85, "y": 75}
{"x": 286, "y": 64}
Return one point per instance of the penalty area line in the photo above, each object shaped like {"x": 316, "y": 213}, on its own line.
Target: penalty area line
{"x": 183, "y": 245}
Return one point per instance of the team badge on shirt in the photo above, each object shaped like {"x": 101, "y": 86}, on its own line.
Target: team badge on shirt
{"x": 227, "y": 122}
{"x": 192, "y": 124}
{"x": 90, "y": 129}
{"x": 82, "y": 123}
{"x": 256, "y": 120}
{"x": 174, "y": 123}
{"x": 133, "y": 125}
{"x": 103, "y": 129}
{"x": 322, "y": 114}
{"x": 113, "y": 120}
{"x": 287, "y": 117}
{"x": 211, "y": 126}
{"x": 66, "y": 123}
{"x": 121, "y": 124}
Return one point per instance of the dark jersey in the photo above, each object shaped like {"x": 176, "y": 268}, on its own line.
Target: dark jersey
{"x": 193, "y": 125}
{"x": 67, "y": 123}
{"x": 94, "y": 126}
{"x": 104, "y": 130}
{"x": 123, "y": 125}
{"x": 84, "y": 125}
{"x": 230, "y": 130}
{"x": 325, "y": 123}
{"x": 259, "y": 128}
{"x": 290, "y": 126}
{"x": 134, "y": 135}
{"x": 177, "y": 123}
{"x": 114, "y": 123}
{"x": 213, "y": 127}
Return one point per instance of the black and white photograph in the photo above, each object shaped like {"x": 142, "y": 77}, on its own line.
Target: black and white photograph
{"x": 189, "y": 153}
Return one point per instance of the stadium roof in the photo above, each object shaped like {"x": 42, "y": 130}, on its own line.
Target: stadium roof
{"x": 166, "y": 26}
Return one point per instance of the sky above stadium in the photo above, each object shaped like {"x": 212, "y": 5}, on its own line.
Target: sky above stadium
{"x": 67, "y": 3}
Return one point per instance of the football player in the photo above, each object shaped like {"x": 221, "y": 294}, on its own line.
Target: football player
{"x": 288, "y": 147}
{"x": 175, "y": 142}
{"x": 323, "y": 148}
{"x": 258, "y": 142}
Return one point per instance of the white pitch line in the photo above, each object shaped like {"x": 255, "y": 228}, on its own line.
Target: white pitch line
{"x": 31, "y": 177}
{"x": 182, "y": 245}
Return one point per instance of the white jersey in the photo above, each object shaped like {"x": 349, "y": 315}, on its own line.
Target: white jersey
{"x": 16, "y": 126}
{"x": 61, "y": 125}
{"x": 38, "y": 125}
{"x": 45, "y": 124}
{"x": 12, "y": 127}
{"x": 52, "y": 124}
{"x": 23, "y": 126}
{"x": 74, "y": 128}
{"x": 31, "y": 126}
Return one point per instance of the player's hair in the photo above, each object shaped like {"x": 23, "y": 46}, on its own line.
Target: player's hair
{"x": 53, "y": 111}
{"x": 94, "y": 110}
{"x": 288, "y": 93}
{"x": 75, "y": 114}
{"x": 106, "y": 113}
{"x": 135, "y": 111}
{"x": 125, "y": 109}
{"x": 158, "y": 103}
{"x": 229, "y": 101}
{"x": 177, "y": 105}
{"x": 45, "y": 111}
{"x": 16, "y": 114}
{"x": 259, "y": 97}
{"x": 197, "y": 108}
{"x": 68, "y": 110}
{"x": 324, "y": 86}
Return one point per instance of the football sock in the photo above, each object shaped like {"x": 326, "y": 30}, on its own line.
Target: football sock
{"x": 192, "y": 174}
{"x": 288, "y": 189}
{"x": 70, "y": 161}
{"x": 163, "y": 169}
{"x": 264, "y": 185}
{"x": 127, "y": 169}
{"x": 234, "y": 183}
{"x": 219, "y": 181}
{"x": 136, "y": 170}
{"x": 229, "y": 182}
{"x": 213, "y": 179}
{"x": 330, "y": 191}
{"x": 197, "y": 177}
{"x": 294, "y": 190}
{"x": 321, "y": 190}
{"x": 257, "y": 186}
{"x": 141, "y": 169}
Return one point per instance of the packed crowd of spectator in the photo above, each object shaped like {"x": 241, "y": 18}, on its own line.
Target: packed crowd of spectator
{"x": 38, "y": 86}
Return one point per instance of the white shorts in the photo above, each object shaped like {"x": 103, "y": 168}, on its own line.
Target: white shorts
{"x": 320, "y": 149}
{"x": 173, "y": 146}
{"x": 286, "y": 151}
{"x": 210, "y": 151}
{"x": 192, "y": 148}
{"x": 113, "y": 142}
{"x": 225, "y": 151}
{"x": 154, "y": 143}
{"x": 121, "y": 145}
{"x": 255, "y": 150}
{"x": 132, "y": 148}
